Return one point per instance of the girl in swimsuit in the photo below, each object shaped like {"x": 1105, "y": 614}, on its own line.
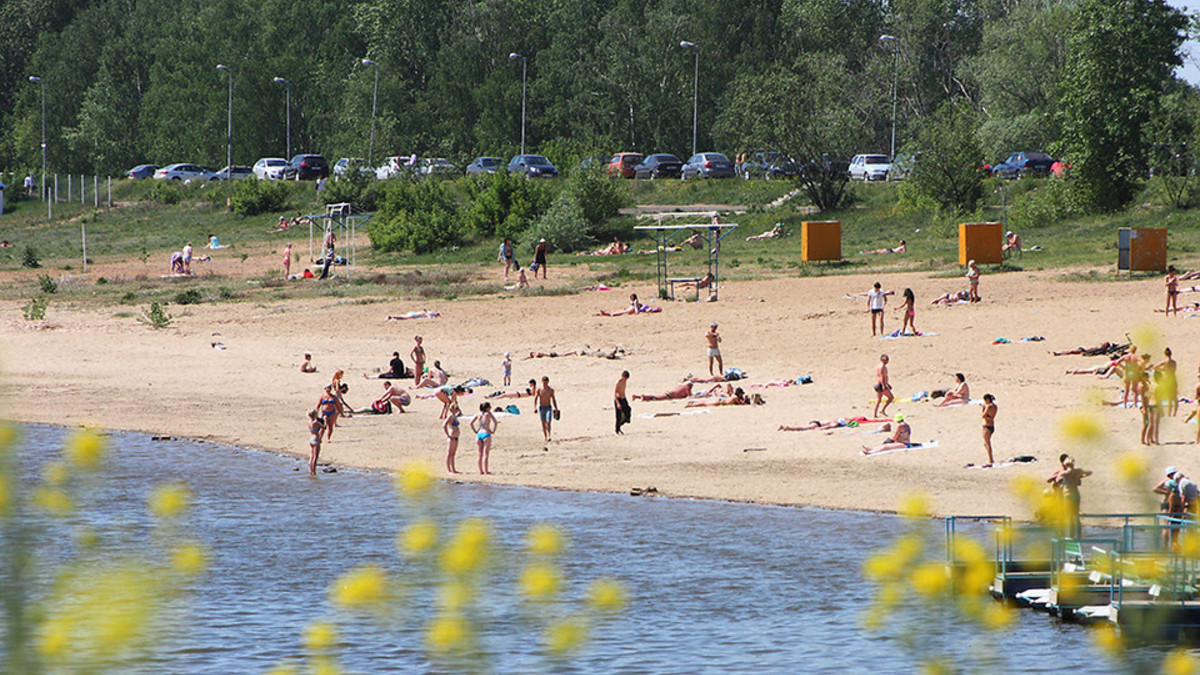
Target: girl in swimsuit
{"x": 448, "y": 396}
{"x": 327, "y": 407}
{"x": 450, "y": 427}
{"x": 1172, "y": 283}
{"x": 910, "y": 304}
{"x": 287, "y": 260}
{"x": 484, "y": 425}
{"x": 316, "y": 425}
{"x": 418, "y": 357}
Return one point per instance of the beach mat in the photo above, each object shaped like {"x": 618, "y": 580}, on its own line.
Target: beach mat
{"x": 916, "y": 446}
{"x": 895, "y": 335}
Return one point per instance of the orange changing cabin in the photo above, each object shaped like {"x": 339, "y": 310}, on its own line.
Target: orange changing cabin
{"x": 820, "y": 240}
{"x": 1142, "y": 249}
{"x": 981, "y": 242}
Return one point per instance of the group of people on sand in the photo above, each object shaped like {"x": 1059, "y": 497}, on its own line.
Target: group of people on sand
{"x": 181, "y": 261}
{"x": 1180, "y": 502}
{"x": 508, "y": 256}
{"x": 286, "y": 223}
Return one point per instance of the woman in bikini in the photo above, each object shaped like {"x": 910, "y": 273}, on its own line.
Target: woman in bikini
{"x": 1172, "y": 283}
{"x": 450, "y": 427}
{"x": 316, "y": 425}
{"x": 484, "y": 425}
{"x": 449, "y": 397}
{"x": 989, "y": 425}
{"x": 635, "y": 307}
{"x": 418, "y": 358}
{"x": 910, "y": 311}
{"x": 1170, "y": 385}
{"x": 959, "y": 395}
{"x": 900, "y": 439}
{"x": 327, "y": 408}
{"x": 287, "y": 260}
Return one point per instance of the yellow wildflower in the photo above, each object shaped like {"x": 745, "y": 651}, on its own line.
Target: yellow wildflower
{"x": 320, "y": 636}
{"x": 415, "y": 479}
{"x": 1146, "y": 337}
{"x": 565, "y": 636}
{"x": 55, "y": 474}
{"x": 1082, "y": 426}
{"x": 1131, "y": 467}
{"x": 86, "y": 448}
{"x": 54, "y": 638}
{"x": 284, "y": 669}
{"x": 189, "y": 558}
{"x": 540, "y": 581}
{"x": 929, "y": 579}
{"x": 996, "y": 616}
{"x": 1026, "y": 487}
{"x": 915, "y": 506}
{"x": 5, "y": 495}
{"x": 607, "y": 595}
{"x": 170, "y": 500}
{"x": 447, "y": 632}
{"x": 1179, "y": 662}
{"x": 935, "y": 667}
{"x": 54, "y": 501}
{"x": 454, "y": 595}
{"x": 468, "y": 549}
{"x": 420, "y": 537}
{"x": 544, "y": 539}
{"x": 362, "y": 587}
{"x": 1108, "y": 640}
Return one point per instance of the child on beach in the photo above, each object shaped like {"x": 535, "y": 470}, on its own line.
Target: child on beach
{"x": 450, "y": 428}
{"x": 307, "y": 366}
{"x": 973, "y": 280}
{"x": 316, "y": 426}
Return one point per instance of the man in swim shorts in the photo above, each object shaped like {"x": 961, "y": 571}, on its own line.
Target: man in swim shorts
{"x": 547, "y": 406}
{"x": 714, "y": 350}
{"x": 883, "y": 386}
{"x": 876, "y": 299}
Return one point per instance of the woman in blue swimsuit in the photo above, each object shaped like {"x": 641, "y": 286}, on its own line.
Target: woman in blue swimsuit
{"x": 484, "y": 425}
{"x": 316, "y": 425}
{"x": 450, "y": 427}
{"x": 327, "y": 407}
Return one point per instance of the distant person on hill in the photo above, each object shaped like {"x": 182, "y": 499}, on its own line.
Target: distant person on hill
{"x": 902, "y": 247}
{"x": 1012, "y": 242}
{"x": 508, "y": 256}
{"x": 539, "y": 259}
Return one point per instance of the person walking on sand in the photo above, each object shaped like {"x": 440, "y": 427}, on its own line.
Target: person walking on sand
{"x": 507, "y": 256}
{"x": 876, "y": 299}
{"x": 287, "y": 260}
{"x": 450, "y": 428}
{"x": 539, "y": 259}
{"x": 418, "y": 358}
{"x": 316, "y": 426}
{"x": 883, "y": 386}
{"x": 910, "y": 312}
{"x": 989, "y": 425}
{"x": 484, "y": 425}
{"x": 1172, "y": 283}
{"x": 620, "y": 403}
{"x": 973, "y": 280}
{"x": 714, "y": 350}
{"x": 547, "y": 406}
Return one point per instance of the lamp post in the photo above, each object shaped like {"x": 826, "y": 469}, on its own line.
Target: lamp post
{"x": 288, "y": 98}
{"x": 374, "y": 103}
{"x": 695, "y": 88}
{"x": 229, "y": 120}
{"x": 524, "y": 71}
{"x": 895, "y": 81}
{"x": 42, "y": 185}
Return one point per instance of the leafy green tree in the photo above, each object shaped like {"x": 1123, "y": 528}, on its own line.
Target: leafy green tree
{"x": 947, "y": 170}
{"x": 1123, "y": 53}
{"x": 419, "y": 217}
{"x": 1174, "y": 139}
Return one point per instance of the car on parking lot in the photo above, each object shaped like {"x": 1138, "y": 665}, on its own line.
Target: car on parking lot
{"x": 309, "y": 167}
{"x": 236, "y": 173}
{"x": 273, "y": 168}
{"x": 659, "y": 165}
{"x": 397, "y": 165}
{"x": 532, "y": 166}
{"x": 870, "y": 167}
{"x": 482, "y": 165}
{"x": 348, "y": 165}
{"x": 437, "y": 166}
{"x": 142, "y": 171}
{"x": 1021, "y": 164}
{"x": 707, "y": 165}
{"x": 768, "y": 164}
{"x": 622, "y": 163}
{"x": 188, "y": 172}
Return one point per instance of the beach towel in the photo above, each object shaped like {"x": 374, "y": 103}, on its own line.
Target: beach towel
{"x": 803, "y": 379}
{"x": 512, "y": 409}
{"x": 914, "y": 446}
{"x": 1033, "y": 338}
{"x": 920, "y": 396}
{"x": 896, "y": 335}
{"x": 1001, "y": 341}
{"x": 734, "y": 374}
{"x": 475, "y": 382}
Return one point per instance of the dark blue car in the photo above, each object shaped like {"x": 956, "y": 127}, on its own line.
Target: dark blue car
{"x": 532, "y": 166}
{"x": 1021, "y": 164}
{"x": 143, "y": 171}
{"x": 658, "y": 166}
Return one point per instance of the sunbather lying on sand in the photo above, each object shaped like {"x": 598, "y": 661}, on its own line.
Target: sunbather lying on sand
{"x": 738, "y": 398}
{"x": 634, "y": 307}
{"x": 1110, "y": 369}
{"x": 772, "y": 233}
{"x": 961, "y": 297}
{"x": 1102, "y": 349}
{"x": 422, "y": 314}
{"x": 832, "y": 424}
{"x": 902, "y": 248}
{"x": 679, "y": 391}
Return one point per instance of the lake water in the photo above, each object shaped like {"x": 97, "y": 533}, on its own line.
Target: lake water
{"x": 715, "y": 587}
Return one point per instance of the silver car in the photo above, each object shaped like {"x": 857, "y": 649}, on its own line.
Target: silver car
{"x": 187, "y": 172}
{"x": 273, "y": 168}
{"x": 870, "y": 167}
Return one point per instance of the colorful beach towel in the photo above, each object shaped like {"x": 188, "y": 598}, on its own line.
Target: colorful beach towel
{"x": 914, "y": 446}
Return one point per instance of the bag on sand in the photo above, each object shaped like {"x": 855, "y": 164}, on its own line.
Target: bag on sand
{"x": 381, "y": 407}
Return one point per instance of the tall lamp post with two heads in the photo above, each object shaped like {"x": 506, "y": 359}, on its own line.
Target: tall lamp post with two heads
{"x": 42, "y": 185}
{"x": 895, "y": 81}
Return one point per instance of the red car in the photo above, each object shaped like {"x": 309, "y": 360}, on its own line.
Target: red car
{"x": 622, "y": 163}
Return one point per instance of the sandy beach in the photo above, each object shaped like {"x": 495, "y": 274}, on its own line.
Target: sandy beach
{"x": 90, "y": 366}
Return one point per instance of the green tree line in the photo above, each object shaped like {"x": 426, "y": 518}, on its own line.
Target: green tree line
{"x": 131, "y": 81}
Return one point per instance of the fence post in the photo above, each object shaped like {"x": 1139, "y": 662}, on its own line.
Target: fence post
{"x": 110, "y": 192}
{"x": 96, "y": 190}
{"x": 82, "y": 190}
{"x": 70, "y": 186}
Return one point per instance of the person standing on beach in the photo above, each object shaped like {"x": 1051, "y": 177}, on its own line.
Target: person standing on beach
{"x": 621, "y": 404}
{"x": 973, "y": 280}
{"x": 1169, "y": 384}
{"x": 910, "y": 312}
{"x": 450, "y": 428}
{"x": 287, "y": 260}
{"x": 187, "y": 258}
{"x": 714, "y": 350}
{"x": 883, "y": 386}
{"x": 484, "y": 425}
{"x": 508, "y": 256}
{"x": 1172, "y": 283}
{"x": 539, "y": 259}
{"x": 1130, "y": 373}
{"x": 876, "y": 299}
{"x": 418, "y": 358}
{"x": 506, "y": 367}
{"x": 328, "y": 246}
{"x": 1068, "y": 479}
{"x": 547, "y": 406}
{"x": 316, "y": 426}
{"x": 989, "y": 425}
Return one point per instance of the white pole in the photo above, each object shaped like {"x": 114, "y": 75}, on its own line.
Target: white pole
{"x": 56, "y": 188}
{"x": 83, "y": 235}
{"x": 110, "y": 192}
{"x": 70, "y": 192}
{"x": 82, "y": 189}
{"x": 96, "y": 190}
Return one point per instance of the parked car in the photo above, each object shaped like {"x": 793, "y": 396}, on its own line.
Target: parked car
{"x": 346, "y": 165}
{"x": 768, "y": 164}
{"x": 658, "y": 166}
{"x": 870, "y": 167}
{"x": 188, "y": 172}
{"x": 707, "y": 165}
{"x": 396, "y": 165}
{"x": 438, "y": 166}
{"x": 273, "y": 168}
{"x": 902, "y": 165}
{"x": 236, "y": 173}
{"x": 309, "y": 167}
{"x": 482, "y": 165}
{"x": 622, "y": 163}
{"x": 142, "y": 171}
{"x": 532, "y": 166}
{"x": 1021, "y": 164}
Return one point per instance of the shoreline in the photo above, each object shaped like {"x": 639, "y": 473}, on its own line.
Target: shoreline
{"x": 92, "y": 366}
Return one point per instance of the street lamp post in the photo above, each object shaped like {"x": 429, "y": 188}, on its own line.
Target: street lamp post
{"x": 288, "y": 98}
{"x": 374, "y": 104}
{"x": 895, "y": 81}
{"x": 695, "y": 88}
{"x": 42, "y": 185}
{"x": 524, "y": 71}
{"x": 229, "y": 120}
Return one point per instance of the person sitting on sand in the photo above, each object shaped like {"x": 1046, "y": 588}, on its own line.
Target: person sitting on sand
{"x": 177, "y": 262}
{"x": 419, "y": 314}
{"x": 773, "y": 233}
{"x": 1102, "y": 349}
{"x": 396, "y": 370}
{"x": 738, "y": 398}
{"x": 635, "y": 307}
{"x": 959, "y": 298}
{"x": 435, "y": 377}
{"x": 282, "y": 225}
{"x": 816, "y": 425}
{"x": 679, "y": 391}
{"x": 307, "y": 366}
{"x": 959, "y": 395}
{"x": 901, "y": 438}
{"x": 391, "y": 395}
{"x": 902, "y": 247}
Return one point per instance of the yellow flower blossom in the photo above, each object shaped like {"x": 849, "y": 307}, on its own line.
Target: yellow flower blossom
{"x": 362, "y": 587}
{"x": 1108, "y": 640}
{"x": 170, "y": 500}
{"x": 85, "y": 449}
{"x": 189, "y": 558}
{"x": 935, "y": 667}
{"x": 54, "y": 501}
{"x": 607, "y": 595}
{"x": 1081, "y": 426}
{"x": 284, "y": 669}
{"x": 415, "y": 479}
{"x": 419, "y": 537}
{"x": 915, "y": 506}
{"x": 565, "y": 636}
{"x": 320, "y": 636}
{"x": 1189, "y": 545}
{"x": 8, "y": 437}
{"x": 468, "y": 549}
{"x": 889, "y": 595}
{"x": 325, "y": 666}
{"x": 1146, "y": 337}
{"x": 996, "y": 616}
{"x": 929, "y": 579}
{"x": 55, "y": 474}
{"x": 544, "y": 539}
{"x": 1026, "y": 487}
{"x": 5, "y": 495}
{"x": 454, "y": 595}
{"x": 1131, "y": 467}
{"x": 540, "y": 581}
{"x": 54, "y": 638}
{"x": 447, "y": 632}
{"x": 1179, "y": 662}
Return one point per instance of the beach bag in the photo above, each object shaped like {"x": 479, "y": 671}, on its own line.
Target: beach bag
{"x": 512, "y": 409}
{"x": 381, "y": 407}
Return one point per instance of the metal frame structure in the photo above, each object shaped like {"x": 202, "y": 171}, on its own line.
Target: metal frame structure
{"x": 711, "y": 234}
{"x": 338, "y": 217}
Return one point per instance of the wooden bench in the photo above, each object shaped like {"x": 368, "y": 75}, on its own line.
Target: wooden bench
{"x": 684, "y": 280}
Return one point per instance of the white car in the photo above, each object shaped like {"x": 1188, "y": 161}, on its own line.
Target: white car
{"x": 238, "y": 172}
{"x": 188, "y": 172}
{"x": 870, "y": 167}
{"x": 439, "y": 166}
{"x": 273, "y": 168}
{"x": 394, "y": 166}
{"x": 344, "y": 166}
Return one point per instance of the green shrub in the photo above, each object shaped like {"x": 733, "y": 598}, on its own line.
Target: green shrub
{"x": 35, "y": 309}
{"x": 252, "y": 197}
{"x": 360, "y": 190}
{"x": 156, "y": 316}
{"x": 598, "y": 196}
{"x": 166, "y": 192}
{"x": 189, "y": 297}
{"x": 29, "y": 258}
{"x": 564, "y": 228}
{"x": 504, "y": 205}
{"x": 47, "y": 284}
{"x": 1047, "y": 205}
{"x": 418, "y": 217}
